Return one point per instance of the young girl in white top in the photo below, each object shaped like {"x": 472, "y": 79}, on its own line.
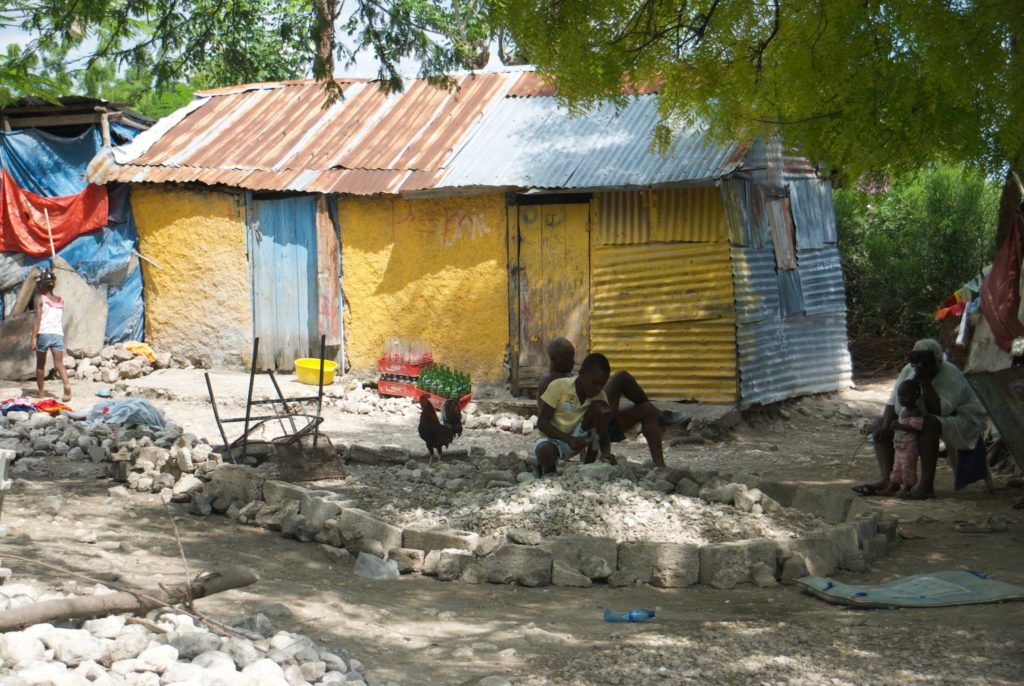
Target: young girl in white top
{"x": 48, "y": 331}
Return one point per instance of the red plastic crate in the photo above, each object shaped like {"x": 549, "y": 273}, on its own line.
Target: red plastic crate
{"x": 409, "y": 390}
{"x": 385, "y": 366}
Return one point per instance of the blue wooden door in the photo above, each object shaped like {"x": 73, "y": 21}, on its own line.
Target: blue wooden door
{"x": 282, "y": 253}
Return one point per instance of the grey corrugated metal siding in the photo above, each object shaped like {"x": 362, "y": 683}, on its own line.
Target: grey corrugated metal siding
{"x": 821, "y": 280}
{"x": 744, "y": 214}
{"x": 778, "y": 357}
{"x": 755, "y": 284}
{"x": 533, "y": 142}
{"x": 813, "y": 214}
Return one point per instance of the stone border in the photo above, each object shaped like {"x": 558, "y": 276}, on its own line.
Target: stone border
{"x": 525, "y": 558}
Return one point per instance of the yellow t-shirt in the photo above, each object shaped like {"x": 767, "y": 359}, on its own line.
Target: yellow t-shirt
{"x": 561, "y": 395}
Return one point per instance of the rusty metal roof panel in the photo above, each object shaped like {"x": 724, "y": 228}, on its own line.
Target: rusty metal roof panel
{"x": 533, "y": 142}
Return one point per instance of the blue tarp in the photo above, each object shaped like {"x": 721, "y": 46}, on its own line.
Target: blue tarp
{"x": 938, "y": 589}
{"x": 125, "y": 309}
{"x": 50, "y": 165}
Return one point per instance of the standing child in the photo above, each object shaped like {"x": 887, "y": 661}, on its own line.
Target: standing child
{"x": 572, "y": 416}
{"x": 906, "y": 428}
{"x": 48, "y": 331}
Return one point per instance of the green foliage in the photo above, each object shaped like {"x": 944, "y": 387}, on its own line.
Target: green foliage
{"x": 145, "y": 44}
{"x": 864, "y": 85}
{"x": 906, "y": 250}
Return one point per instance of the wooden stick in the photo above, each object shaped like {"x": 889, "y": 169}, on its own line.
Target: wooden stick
{"x": 46, "y": 213}
{"x": 147, "y": 259}
{"x": 1020, "y": 186}
{"x": 87, "y": 607}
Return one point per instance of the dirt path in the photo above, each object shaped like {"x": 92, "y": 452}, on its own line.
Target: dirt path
{"x": 421, "y": 631}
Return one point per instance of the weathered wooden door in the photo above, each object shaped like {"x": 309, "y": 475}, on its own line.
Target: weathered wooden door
{"x": 551, "y": 276}
{"x": 283, "y": 259}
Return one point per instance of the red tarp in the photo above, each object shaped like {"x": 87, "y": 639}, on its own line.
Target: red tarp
{"x": 23, "y": 223}
{"x": 1000, "y": 294}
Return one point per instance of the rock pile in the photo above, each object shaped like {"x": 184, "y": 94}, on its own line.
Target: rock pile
{"x": 115, "y": 363}
{"x": 169, "y": 649}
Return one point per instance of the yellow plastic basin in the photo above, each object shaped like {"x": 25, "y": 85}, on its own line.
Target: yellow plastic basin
{"x": 307, "y": 370}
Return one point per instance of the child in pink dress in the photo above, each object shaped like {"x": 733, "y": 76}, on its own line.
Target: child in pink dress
{"x": 906, "y": 428}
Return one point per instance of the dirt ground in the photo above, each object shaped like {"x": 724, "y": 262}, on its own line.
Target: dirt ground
{"x": 420, "y": 631}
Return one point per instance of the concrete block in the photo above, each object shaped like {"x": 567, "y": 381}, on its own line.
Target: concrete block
{"x": 724, "y": 565}
{"x": 407, "y": 559}
{"x": 830, "y": 504}
{"x": 564, "y": 575}
{"x": 361, "y": 454}
{"x": 793, "y": 567}
{"x": 17, "y": 361}
{"x": 595, "y": 558}
{"x": 276, "y": 491}
{"x": 780, "y": 491}
{"x": 355, "y": 523}
{"x": 819, "y": 553}
{"x": 438, "y": 539}
{"x": 847, "y": 544}
{"x": 238, "y": 482}
{"x": 446, "y": 565}
{"x": 526, "y": 565}
{"x": 889, "y": 525}
{"x": 668, "y": 565}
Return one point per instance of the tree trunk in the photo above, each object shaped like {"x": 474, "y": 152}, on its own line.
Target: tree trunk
{"x": 89, "y": 607}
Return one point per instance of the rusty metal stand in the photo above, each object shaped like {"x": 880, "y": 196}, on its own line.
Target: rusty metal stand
{"x": 280, "y": 404}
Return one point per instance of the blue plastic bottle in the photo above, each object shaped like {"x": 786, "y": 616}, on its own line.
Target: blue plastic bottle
{"x": 636, "y": 615}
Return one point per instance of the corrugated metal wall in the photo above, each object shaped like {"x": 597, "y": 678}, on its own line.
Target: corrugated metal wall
{"x": 663, "y": 305}
{"x": 791, "y": 323}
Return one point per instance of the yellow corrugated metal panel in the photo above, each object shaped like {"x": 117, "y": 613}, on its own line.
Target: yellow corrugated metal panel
{"x": 660, "y": 215}
{"x": 688, "y": 214}
{"x": 675, "y": 360}
{"x": 623, "y": 217}
{"x": 666, "y": 313}
{"x": 662, "y": 282}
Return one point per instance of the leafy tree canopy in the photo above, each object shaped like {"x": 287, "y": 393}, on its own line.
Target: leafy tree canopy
{"x": 134, "y": 46}
{"x": 866, "y": 85}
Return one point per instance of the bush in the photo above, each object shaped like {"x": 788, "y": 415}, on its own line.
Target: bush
{"x": 906, "y": 249}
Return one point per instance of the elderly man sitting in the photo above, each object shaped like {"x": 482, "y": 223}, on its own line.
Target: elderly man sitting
{"x": 951, "y": 411}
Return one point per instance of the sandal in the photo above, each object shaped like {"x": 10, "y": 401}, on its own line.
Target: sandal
{"x": 872, "y": 490}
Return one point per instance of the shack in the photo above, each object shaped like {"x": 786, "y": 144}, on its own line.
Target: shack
{"x": 486, "y": 220}
{"x": 46, "y": 205}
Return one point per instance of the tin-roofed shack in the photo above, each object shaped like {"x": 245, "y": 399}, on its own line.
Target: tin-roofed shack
{"x": 47, "y": 204}
{"x": 487, "y": 220}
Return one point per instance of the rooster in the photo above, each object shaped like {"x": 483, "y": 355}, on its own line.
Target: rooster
{"x": 451, "y": 416}
{"x": 436, "y": 435}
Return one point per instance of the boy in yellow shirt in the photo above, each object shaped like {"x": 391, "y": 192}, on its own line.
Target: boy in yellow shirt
{"x": 572, "y": 417}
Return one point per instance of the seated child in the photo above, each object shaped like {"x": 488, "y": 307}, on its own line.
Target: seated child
{"x": 906, "y": 428}
{"x": 572, "y": 417}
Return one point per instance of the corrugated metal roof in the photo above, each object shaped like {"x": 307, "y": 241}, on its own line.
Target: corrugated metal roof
{"x": 498, "y": 130}
{"x": 533, "y": 142}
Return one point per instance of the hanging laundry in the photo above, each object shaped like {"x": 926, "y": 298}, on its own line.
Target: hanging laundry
{"x": 1000, "y": 294}
{"x": 23, "y": 221}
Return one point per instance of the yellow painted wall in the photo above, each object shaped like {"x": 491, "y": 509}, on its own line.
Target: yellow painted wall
{"x": 433, "y": 269}
{"x": 197, "y": 305}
